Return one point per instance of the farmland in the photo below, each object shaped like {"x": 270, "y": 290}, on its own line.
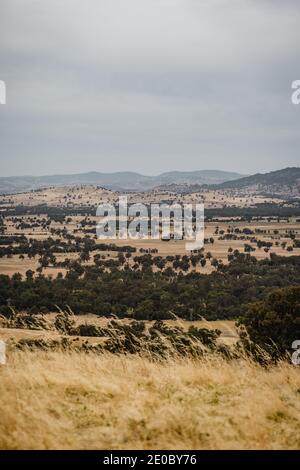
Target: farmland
{"x": 277, "y": 234}
{"x": 121, "y": 333}
{"x": 62, "y": 213}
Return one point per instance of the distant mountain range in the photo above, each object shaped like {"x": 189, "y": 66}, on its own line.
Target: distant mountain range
{"x": 281, "y": 182}
{"x": 116, "y": 181}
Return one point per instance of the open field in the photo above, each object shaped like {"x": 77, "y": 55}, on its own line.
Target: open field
{"x": 275, "y": 233}
{"x": 40, "y": 227}
{"x": 228, "y": 330}
{"x": 16, "y": 334}
{"x": 91, "y": 195}
{"x": 84, "y": 401}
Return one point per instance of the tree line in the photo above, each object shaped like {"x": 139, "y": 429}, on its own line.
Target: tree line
{"x": 148, "y": 295}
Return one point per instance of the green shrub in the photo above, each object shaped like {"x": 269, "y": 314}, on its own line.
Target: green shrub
{"x": 274, "y": 323}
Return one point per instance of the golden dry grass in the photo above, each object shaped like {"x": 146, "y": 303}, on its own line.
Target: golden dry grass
{"x": 83, "y": 195}
{"x": 229, "y": 334}
{"x": 62, "y": 400}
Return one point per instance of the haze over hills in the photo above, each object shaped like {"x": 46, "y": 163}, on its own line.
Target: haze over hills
{"x": 116, "y": 181}
{"x": 284, "y": 182}
{"x": 281, "y": 182}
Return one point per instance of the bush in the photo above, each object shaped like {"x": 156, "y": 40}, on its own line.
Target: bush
{"x": 274, "y": 323}
{"x": 65, "y": 323}
{"x": 88, "y": 330}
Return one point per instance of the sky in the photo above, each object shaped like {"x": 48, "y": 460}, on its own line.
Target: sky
{"x": 148, "y": 86}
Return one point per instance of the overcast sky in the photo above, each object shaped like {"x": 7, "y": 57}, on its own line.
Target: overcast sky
{"x": 148, "y": 85}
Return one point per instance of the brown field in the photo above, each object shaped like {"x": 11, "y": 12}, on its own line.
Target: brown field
{"x": 219, "y": 249}
{"x": 62, "y": 400}
{"x": 228, "y": 330}
{"x": 12, "y": 335}
{"x": 90, "y": 195}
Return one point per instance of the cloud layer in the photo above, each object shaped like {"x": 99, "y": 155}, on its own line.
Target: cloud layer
{"x": 113, "y": 85}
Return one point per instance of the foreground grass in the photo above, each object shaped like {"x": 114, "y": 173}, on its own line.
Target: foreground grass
{"x": 59, "y": 400}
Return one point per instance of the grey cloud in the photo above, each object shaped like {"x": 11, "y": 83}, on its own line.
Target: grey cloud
{"x": 148, "y": 86}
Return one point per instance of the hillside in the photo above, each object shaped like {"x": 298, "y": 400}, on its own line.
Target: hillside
{"x": 57, "y": 400}
{"x": 284, "y": 183}
{"x": 276, "y": 182}
{"x": 116, "y": 181}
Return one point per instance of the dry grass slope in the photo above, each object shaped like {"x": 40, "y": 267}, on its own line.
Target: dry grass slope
{"x": 84, "y": 401}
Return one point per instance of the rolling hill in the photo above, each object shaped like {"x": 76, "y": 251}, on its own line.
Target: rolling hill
{"x": 286, "y": 181}
{"x": 115, "y": 181}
